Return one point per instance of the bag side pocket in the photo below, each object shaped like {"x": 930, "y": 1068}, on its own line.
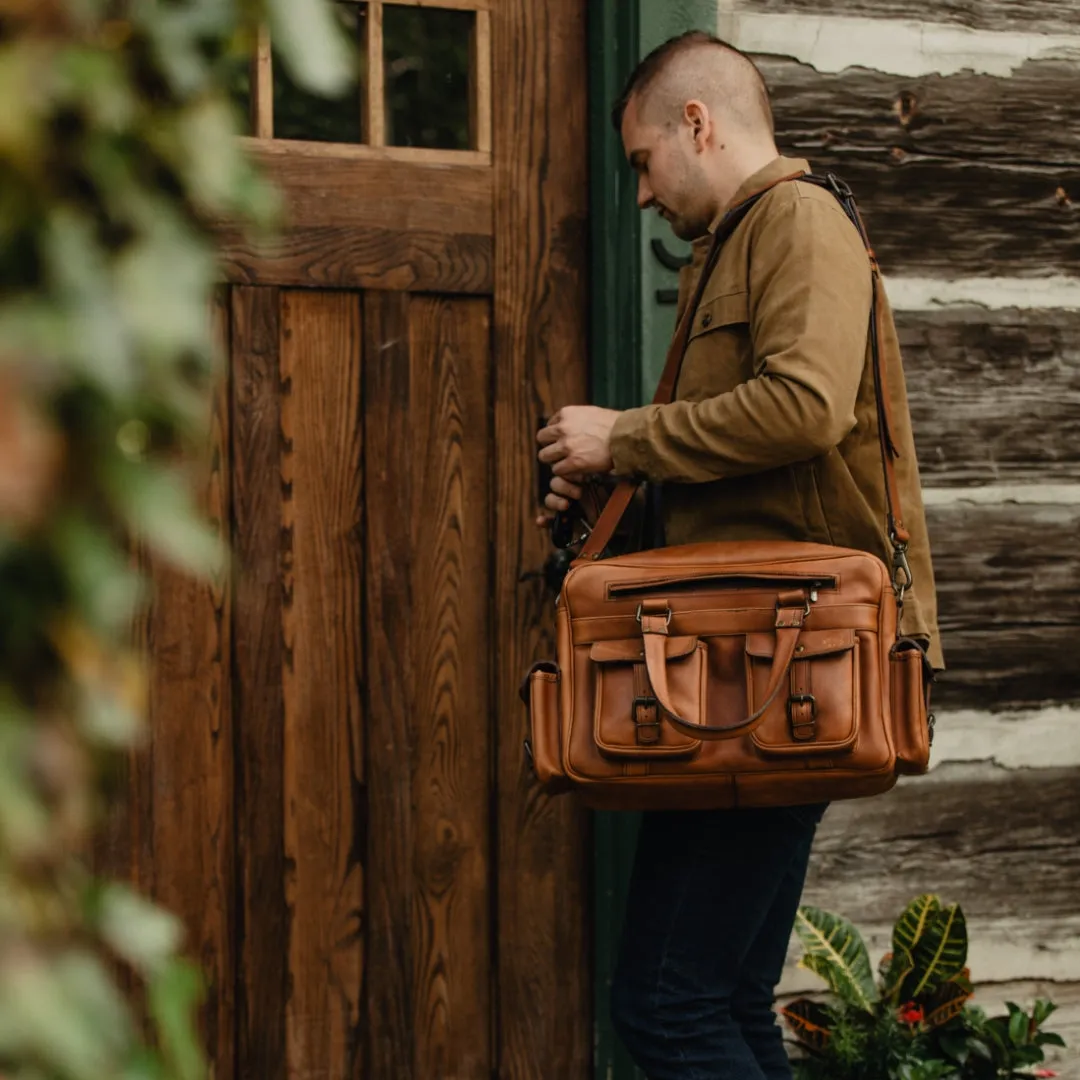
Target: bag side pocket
{"x": 909, "y": 701}
{"x": 541, "y": 691}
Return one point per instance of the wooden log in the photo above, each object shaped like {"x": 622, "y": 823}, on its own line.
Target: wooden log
{"x": 984, "y": 162}
{"x": 540, "y": 336}
{"x": 1008, "y": 579}
{"x": 261, "y": 546}
{"x": 994, "y": 396}
{"x": 357, "y": 217}
{"x": 1032, "y": 17}
{"x": 430, "y": 933}
{"x": 322, "y": 625}
{"x": 969, "y": 831}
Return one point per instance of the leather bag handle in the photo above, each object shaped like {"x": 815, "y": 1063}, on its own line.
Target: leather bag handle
{"x": 623, "y": 494}
{"x": 791, "y": 611}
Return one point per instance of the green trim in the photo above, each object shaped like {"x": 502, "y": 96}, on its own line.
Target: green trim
{"x": 616, "y": 270}
{"x": 616, "y": 380}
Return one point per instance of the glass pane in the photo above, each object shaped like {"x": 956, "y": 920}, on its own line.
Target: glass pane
{"x": 299, "y": 114}
{"x": 427, "y": 76}
{"x": 237, "y": 74}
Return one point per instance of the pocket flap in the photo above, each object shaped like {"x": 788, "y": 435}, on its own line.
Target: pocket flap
{"x": 717, "y": 311}
{"x": 812, "y": 642}
{"x": 632, "y": 650}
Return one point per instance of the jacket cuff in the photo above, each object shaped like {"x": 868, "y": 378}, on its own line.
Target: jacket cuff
{"x": 630, "y": 444}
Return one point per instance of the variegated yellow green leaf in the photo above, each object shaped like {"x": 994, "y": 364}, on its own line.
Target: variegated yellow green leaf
{"x": 946, "y": 1002}
{"x": 810, "y": 1021}
{"x": 940, "y": 953}
{"x": 912, "y": 922}
{"x": 836, "y": 952}
{"x": 900, "y": 967}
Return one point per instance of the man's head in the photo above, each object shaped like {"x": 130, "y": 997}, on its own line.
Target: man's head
{"x": 695, "y": 122}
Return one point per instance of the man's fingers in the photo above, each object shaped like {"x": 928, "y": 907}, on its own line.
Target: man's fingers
{"x": 551, "y": 433}
{"x": 563, "y": 485}
{"x": 553, "y": 452}
{"x": 556, "y": 503}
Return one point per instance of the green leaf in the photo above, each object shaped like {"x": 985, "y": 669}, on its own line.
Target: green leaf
{"x": 810, "y": 1021}
{"x": 138, "y": 931}
{"x": 940, "y": 953}
{"x": 836, "y": 952}
{"x": 900, "y": 966}
{"x": 1018, "y": 1024}
{"x": 913, "y": 921}
{"x": 312, "y": 45}
{"x": 174, "y": 995}
{"x": 1049, "y": 1038}
{"x": 946, "y": 1003}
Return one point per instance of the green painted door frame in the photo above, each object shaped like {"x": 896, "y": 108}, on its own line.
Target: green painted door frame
{"x": 634, "y": 275}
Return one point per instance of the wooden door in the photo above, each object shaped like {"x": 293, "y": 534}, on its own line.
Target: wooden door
{"x": 335, "y": 798}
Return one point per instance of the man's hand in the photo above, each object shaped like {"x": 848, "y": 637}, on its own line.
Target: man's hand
{"x": 577, "y": 441}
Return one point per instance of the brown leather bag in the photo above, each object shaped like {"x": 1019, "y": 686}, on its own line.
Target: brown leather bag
{"x": 733, "y": 673}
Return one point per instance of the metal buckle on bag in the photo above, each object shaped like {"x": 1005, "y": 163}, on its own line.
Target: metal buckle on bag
{"x": 648, "y": 731}
{"x": 639, "y": 614}
{"x": 802, "y": 730}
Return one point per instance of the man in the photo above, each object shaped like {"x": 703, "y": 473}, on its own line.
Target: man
{"x": 773, "y": 435}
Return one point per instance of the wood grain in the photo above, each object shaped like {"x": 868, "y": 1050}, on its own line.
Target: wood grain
{"x": 188, "y": 807}
{"x": 261, "y": 547}
{"x": 541, "y": 191}
{"x": 980, "y": 161}
{"x": 427, "y": 377}
{"x": 971, "y": 832}
{"x": 332, "y": 257}
{"x": 374, "y": 84}
{"x": 1032, "y": 17}
{"x": 994, "y": 396}
{"x": 322, "y": 623}
{"x": 369, "y": 222}
{"x": 1008, "y": 579}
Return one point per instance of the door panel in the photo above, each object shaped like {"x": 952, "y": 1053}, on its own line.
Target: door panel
{"x": 335, "y": 800}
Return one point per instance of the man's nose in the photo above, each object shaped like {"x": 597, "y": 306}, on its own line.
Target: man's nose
{"x": 645, "y": 196}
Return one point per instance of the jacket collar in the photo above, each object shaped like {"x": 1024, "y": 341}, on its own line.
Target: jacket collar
{"x": 764, "y": 178}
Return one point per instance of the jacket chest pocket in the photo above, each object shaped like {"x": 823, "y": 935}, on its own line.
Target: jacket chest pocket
{"x": 719, "y": 355}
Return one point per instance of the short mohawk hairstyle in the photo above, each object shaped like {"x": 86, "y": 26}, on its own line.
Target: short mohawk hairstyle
{"x": 643, "y": 76}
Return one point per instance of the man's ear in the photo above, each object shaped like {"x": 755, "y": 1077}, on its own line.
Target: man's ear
{"x": 697, "y": 117}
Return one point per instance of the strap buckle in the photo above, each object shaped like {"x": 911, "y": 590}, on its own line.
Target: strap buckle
{"x": 902, "y": 578}
{"x": 640, "y": 612}
{"x": 647, "y": 731}
{"x": 840, "y": 188}
{"x": 802, "y": 730}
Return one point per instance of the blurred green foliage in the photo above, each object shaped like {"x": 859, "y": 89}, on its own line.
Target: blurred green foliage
{"x": 117, "y": 151}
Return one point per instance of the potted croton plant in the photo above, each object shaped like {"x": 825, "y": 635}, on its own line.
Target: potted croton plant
{"x": 915, "y": 1021}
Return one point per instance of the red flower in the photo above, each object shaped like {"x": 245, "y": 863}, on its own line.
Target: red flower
{"x": 911, "y": 1013}
{"x": 1044, "y": 1073}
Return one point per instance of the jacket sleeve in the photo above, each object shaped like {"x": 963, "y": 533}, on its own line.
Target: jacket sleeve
{"x": 809, "y": 309}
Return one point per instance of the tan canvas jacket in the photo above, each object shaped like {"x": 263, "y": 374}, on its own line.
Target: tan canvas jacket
{"x": 773, "y": 433}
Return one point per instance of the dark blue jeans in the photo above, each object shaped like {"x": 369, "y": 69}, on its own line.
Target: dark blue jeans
{"x": 712, "y": 902}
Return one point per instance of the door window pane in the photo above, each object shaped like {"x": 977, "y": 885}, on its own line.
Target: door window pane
{"x": 299, "y": 114}
{"x": 427, "y": 60}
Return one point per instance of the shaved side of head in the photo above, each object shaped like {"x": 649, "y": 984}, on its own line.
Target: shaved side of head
{"x": 698, "y": 66}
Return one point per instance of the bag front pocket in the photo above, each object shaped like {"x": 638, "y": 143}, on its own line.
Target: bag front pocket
{"x": 627, "y": 720}
{"x": 817, "y": 710}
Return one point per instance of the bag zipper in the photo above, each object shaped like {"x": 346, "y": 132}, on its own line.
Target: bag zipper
{"x": 725, "y": 581}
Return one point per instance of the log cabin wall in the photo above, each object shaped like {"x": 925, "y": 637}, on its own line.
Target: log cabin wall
{"x": 957, "y": 125}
